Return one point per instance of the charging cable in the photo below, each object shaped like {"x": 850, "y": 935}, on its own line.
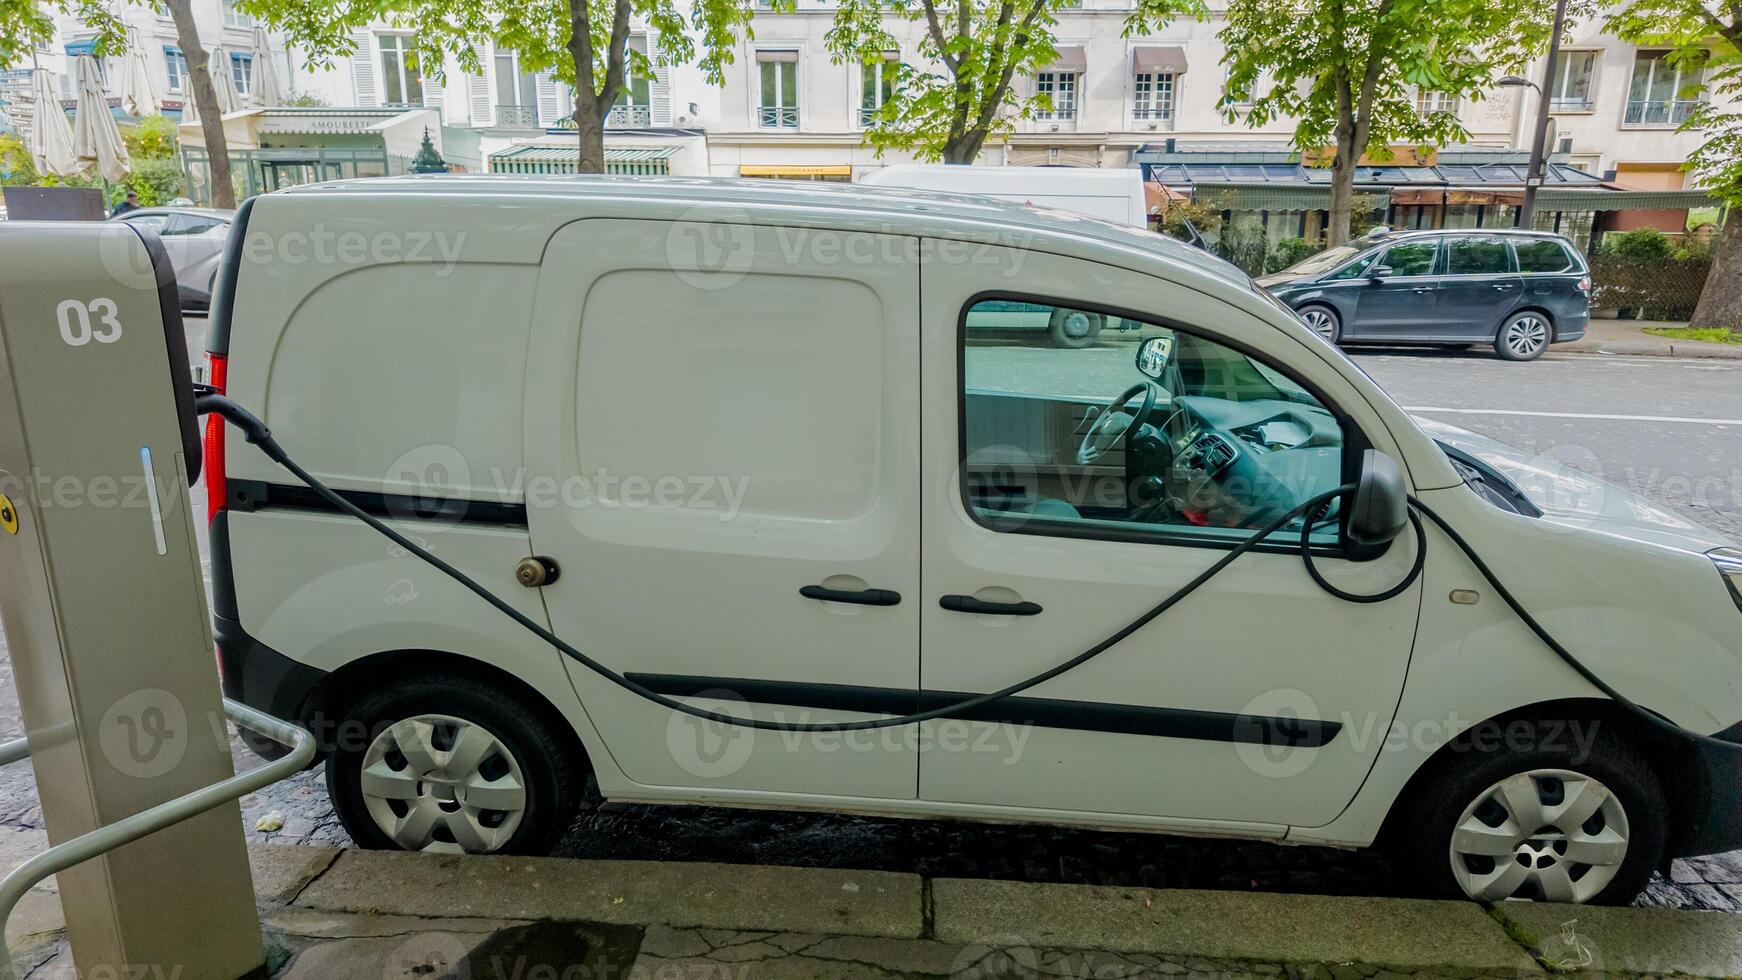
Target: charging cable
{"x": 1311, "y": 511}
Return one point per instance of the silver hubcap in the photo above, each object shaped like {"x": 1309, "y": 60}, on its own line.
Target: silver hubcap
{"x": 1076, "y": 324}
{"x": 1526, "y": 335}
{"x": 439, "y": 783}
{"x": 1320, "y": 323}
{"x": 1547, "y": 834}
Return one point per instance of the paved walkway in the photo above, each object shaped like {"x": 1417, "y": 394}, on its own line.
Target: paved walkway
{"x": 333, "y": 914}
{"x": 1629, "y": 337}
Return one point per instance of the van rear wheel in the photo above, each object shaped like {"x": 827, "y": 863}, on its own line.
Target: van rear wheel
{"x": 1524, "y": 336}
{"x": 1559, "y": 819}
{"x": 439, "y": 764}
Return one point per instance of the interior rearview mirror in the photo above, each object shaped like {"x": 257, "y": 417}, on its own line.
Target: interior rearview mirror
{"x": 1153, "y": 355}
{"x": 1379, "y": 509}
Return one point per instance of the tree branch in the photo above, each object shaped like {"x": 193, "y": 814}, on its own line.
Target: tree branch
{"x": 615, "y": 58}
{"x": 936, "y": 29}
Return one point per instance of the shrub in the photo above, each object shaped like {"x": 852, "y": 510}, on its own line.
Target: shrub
{"x": 1291, "y": 250}
{"x": 154, "y": 136}
{"x": 157, "y": 179}
{"x": 1640, "y": 245}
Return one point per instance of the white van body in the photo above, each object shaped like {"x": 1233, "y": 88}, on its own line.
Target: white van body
{"x": 700, "y": 398}
{"x": 1107, "y": 194}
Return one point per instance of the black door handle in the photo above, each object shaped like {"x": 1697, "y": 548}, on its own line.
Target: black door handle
{"x": 969, "y": 604}
{"x": 861, "y": 597}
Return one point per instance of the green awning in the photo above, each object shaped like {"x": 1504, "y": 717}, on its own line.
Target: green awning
{"x": 1557, "y": 199}
{"x": 1263, "y": 197}
{"x": 619, "y": 160}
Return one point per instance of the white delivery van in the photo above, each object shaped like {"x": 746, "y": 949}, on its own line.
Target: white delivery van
{"x": 745, "y": 446}
{"x": 1107, "y": 194}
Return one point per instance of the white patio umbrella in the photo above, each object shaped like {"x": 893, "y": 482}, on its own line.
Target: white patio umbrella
{"x": 138, "y": 95}
{"x": 265, "y": 91}
{"x": 229, "y": 100}
{"x": 96, "y": 138}
{"x": 51, "y": 136}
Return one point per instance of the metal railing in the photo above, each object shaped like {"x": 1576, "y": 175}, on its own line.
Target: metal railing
{"x": 517, "y": 116}
{"x": 629, "y": 117}
{"x": 1570, "y": 103}
{"x": 779, "y": 117}
{"x": 1660, "y": 112}
{"x": 62, "y": 856}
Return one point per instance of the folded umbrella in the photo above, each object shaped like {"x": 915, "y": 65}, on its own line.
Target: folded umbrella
{"x": 96, "y": 139}
{"x": 51, "y": 136}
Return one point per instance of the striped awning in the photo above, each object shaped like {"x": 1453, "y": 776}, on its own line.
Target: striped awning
{"x": 620, "y": 160}
{"x": 1556, "y": 199}
{"x": 1264, "y": 197}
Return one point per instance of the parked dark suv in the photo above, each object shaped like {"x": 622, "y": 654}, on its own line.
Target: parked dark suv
{"x": 1518, "y": 290}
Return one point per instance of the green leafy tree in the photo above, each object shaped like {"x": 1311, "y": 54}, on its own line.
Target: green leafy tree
{"x": 27, "y": 24}
{"x": 1348, "y": 72}
{"x": 1705, "y": 40}
{"x": 581, "y": 43}
{"x": 971, "y": 52}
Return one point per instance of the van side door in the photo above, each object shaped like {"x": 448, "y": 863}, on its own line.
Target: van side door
{"x": 1480, "y": 288}
{"x": 722, "y": 448}
{"x": 1259, "y": 699}
{"x": 1401, "y": 297}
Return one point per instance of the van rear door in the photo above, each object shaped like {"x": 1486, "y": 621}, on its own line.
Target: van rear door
{"x": 722, "y": 441}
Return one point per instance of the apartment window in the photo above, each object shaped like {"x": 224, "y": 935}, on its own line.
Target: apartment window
{"x": 242, "y": 72}
{"x": 876, "y": 85}
{"x": 1061, "y": 87}
{"x": 634, "y": 107}
{"x": 1152, "y": 95}
{"x": 516, "y": 93}
{"x": 1572, "y": 86}
{"x": 399, "y": 70}
{"x": 234, "y": 17}
{"x": 175, "y": 65}
{"x": 1428, "y": 103}
{"x": 777, "y": 106}
{"x": 1663, "y": 93}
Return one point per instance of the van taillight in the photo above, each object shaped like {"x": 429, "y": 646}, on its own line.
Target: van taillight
{"x": 217, "y": 486}
{"x": 1584, "y": 284}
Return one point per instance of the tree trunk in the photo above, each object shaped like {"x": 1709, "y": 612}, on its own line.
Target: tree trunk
{"x": 1342, "y": 199}
{"x": 965, "y": 148}
{"x": 589, "y": 121}
{"x": 1721, "y": 300}
{"x": 187, "y": 33}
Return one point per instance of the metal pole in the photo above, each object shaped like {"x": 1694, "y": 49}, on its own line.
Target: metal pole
{"x": 1538, "y": 151}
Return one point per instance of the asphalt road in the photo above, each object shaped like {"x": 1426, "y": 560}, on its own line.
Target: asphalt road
{"x": 1667, "y": 428}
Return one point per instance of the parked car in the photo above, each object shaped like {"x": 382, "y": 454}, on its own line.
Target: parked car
{"x": 803, "y": 485}
{"x": 1518, "y": 290}
{"x": 194, "y": 239}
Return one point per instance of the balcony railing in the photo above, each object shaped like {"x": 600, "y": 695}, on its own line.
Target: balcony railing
{"x": 1063, "y": 113}
{"x": 629, "y": 117}
{"x": 1570, "y": 103}
{"x": 1152, "y": 113}
{"x": 517, "y": 116}
{"x": 779, "y": 117}
{"x": 1668, "y": 112}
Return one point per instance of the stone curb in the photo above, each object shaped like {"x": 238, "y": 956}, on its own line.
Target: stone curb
{"x": 1648, "y": 348}
{"x": 1400, "y": 934}
{"x": 1593, "y": 940}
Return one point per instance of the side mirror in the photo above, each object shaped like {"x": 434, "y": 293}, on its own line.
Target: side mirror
{"x": 1152, "y": 357}
{"x": 1379, "y": 509}
{"x": 1380, "y": 273}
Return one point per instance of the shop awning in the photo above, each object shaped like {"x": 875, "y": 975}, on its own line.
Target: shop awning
{"x": 777, "y": 170}
{"x": 1555, "y": 199}
{"x": 625, "y": 161}
{"x": 1070, "y": 58}
{"x": 1263, "y": 197}
{"x": 1153, "y": 58}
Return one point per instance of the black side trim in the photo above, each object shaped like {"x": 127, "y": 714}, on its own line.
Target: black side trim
{"x": 261, "y": 677}
{"x": 176, "y": 341}
{"x": 252, "y": 495}
{"x": 223, "y": 305}
{"x": 1083, "y": 716}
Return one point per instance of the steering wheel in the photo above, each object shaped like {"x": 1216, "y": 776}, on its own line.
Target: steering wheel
{"x": 1114, "y": 426}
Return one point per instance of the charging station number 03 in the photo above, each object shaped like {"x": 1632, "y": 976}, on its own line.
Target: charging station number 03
{"x": 81, "y": 323}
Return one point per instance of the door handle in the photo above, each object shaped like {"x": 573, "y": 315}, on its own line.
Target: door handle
{"x": 859, "y": 597}
{"x": 969, "y": 604}
{"x": 1422, "y": 289}
{"x": 1502, "y": 286}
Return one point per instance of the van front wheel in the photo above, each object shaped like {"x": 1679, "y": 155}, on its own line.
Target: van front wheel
{"x": 1562, "y": 819}
{"x": 1074, "y": 329}
{"x": 437, "y": 764}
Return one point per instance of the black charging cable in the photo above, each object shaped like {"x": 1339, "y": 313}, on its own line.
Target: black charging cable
{"x": 257, "y": 434}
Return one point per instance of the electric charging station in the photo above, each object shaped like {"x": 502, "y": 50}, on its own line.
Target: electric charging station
{"x": 103, "y": 601}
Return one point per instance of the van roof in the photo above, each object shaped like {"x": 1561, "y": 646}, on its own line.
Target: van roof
{"x": 898, "y": 210}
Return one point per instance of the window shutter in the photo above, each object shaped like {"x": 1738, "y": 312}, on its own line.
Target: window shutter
{"x": 435, "y": 94}
{"x": 659, "y": 87}
{"x": 549, "y": 104}
{"x": 478, "y": 92}
{"x": 363, "y": 68}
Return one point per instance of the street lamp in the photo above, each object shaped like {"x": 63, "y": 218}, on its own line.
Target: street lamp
{"x": 1533, "y": 177}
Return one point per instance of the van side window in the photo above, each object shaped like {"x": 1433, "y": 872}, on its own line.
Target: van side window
{"x": 1542, "y": 255}
{"x": 1478, "y": 257}
{"x": 1071, "y": 437}
{"x": 1411, "y": 259}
